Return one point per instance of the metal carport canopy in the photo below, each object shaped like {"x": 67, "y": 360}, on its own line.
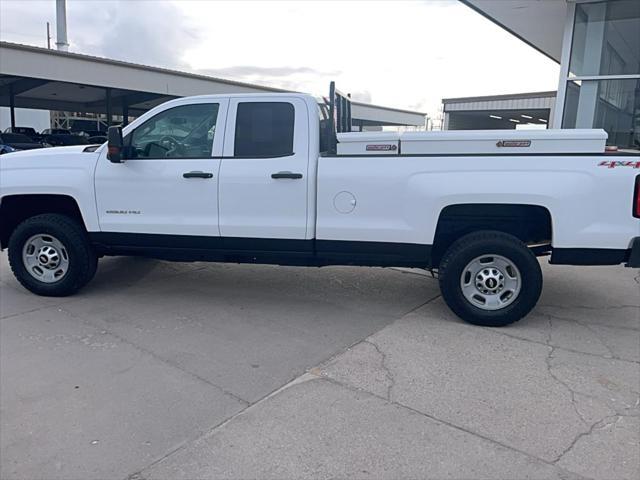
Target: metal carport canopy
{"x": 540, "y": 23}
{"x": 52, "y": 80}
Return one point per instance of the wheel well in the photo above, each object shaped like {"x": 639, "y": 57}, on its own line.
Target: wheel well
{"x": 530, "y": 223}
{"x": 16, "y": 208}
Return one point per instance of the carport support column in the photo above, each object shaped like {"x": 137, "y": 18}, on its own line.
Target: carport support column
{"x": 125, "y": 112}
{"x": 108, "y": 102}
{"x": 12, "y": 106}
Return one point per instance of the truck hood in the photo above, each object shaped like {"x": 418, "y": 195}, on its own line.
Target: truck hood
{"x": 47, "y": 152}
{"x": 25, "y": 146}
{"x": 54, "y": 158}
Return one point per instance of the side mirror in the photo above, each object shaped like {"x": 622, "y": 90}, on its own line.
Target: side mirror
{"x": 114, "y": 144}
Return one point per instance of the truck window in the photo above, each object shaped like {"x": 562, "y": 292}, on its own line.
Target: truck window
{"x": 264, "y": 129}
{"x": 186, "y": 131}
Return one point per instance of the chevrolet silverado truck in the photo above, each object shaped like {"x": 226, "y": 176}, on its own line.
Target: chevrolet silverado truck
{"x": 279, "y": 179}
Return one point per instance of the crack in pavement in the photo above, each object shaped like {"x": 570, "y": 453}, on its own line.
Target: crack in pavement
{"x": 608, "y": 325}
{"x": 602, "y": 341}
{"x": 599, "y": 425}
{"x": 212, "y": 429}
{"x": 384, "y": 366}
{"x": 37, "y": 309}
{"x": 594, "y": 309}
{"x": 549, "y": 365}
{"x": 416, "y": 308}
{"x": 574, "y": 475}
{"x": 572, "y": 393}
{"x": 588, "y": 428}
{"x": 383, "y": 356}
{"x": 589, "y": 307}
{"x": 409, "y": 272}
{"x": 560, "y": 347}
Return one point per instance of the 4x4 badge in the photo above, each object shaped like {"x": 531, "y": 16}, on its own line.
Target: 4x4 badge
{"x": 619, "y": 163}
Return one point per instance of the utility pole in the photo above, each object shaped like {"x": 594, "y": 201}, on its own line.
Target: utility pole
{"x": 48, "y": 36}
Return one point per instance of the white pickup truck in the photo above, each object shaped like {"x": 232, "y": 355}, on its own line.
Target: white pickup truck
{"x": 272, "y": 178}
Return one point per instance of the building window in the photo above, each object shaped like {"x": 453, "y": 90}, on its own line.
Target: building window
{"x": 606, "y": 38}
{"x": 603, "y": 82}
{"x": 610, "y": 104}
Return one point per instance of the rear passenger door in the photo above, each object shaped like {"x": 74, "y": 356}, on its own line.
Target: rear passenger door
{"x": 263, "y": 176}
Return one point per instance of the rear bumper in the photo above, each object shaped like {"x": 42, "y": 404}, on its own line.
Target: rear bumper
{"x": 598, "y": 256}
{"x": 634, "y": 254}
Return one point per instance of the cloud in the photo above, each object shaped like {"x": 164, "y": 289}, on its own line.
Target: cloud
{"x": 25, "y": 22}
{"x": 252, "y": 71}
{"x": 295, "y": 79}
{"x": 150, "y": 33}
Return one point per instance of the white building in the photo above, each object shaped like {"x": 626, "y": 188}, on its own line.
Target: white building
{"x": 597, "y": 44}
{"x": 498, "y": 112}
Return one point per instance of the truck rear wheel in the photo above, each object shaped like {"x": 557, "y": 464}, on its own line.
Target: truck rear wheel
{"x": 50, "y": 255}
{"x": 490, "y": 278}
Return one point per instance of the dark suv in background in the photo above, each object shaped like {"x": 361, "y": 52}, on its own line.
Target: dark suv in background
{"x": 58, "y": 137}
{"x": 10, "y": 142}
{"x": 27, "y": 131}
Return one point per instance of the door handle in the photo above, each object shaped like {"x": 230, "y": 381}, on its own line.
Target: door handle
{"x": 291, "y": 175}
{"x": 197, "y": 175}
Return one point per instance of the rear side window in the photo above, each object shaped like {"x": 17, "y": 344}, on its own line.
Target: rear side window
{"x": 264, "y": 129}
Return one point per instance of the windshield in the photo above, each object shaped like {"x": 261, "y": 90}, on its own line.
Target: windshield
{"x": 23, "y": 130}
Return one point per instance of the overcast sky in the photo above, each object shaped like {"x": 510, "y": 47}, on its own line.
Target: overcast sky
{"x": 404, "y": 54}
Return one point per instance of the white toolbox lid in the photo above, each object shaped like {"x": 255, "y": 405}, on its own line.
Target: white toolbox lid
{"x": 504, "y": 141}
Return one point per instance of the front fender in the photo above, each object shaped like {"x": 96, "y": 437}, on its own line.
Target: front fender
{"x": 52, "y": 171}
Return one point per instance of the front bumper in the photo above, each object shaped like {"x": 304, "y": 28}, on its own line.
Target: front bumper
{"x": 634, "y": 254}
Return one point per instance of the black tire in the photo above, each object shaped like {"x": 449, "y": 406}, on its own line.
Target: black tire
{"x": 463, "y": 251}
{"x": 82, "y": 260}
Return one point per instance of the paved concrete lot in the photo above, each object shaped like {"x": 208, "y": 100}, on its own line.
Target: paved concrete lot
{"x": 161, "y": 371}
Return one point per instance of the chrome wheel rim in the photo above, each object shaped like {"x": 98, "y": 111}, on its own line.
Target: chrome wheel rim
{"x": 45, "y": 258}
{"x": 490, "y": 282}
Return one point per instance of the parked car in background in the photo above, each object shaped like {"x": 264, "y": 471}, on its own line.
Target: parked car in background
{"x": 17, "y": 141}
{"x": 58, "y": 137}
{"x": 28, "y": 131}
{"x": 56, "y": 131}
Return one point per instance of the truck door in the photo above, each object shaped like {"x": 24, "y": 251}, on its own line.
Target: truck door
{"x": 264, "y": 176}
{"x": 169, "y": 185}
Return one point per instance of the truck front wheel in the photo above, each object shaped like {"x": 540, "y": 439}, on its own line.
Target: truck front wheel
{"x": 490, "y": 278}
{"x": 50, "y": 255}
